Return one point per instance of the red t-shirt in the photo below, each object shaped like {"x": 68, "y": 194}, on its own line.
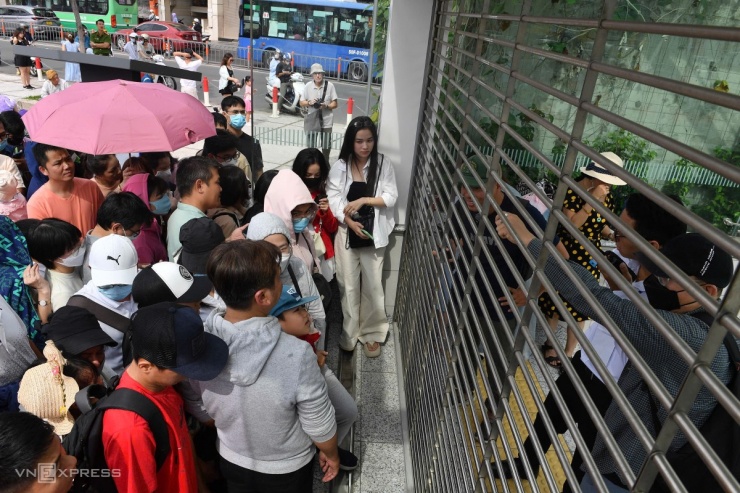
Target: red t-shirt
{"x": 129, "y": 446}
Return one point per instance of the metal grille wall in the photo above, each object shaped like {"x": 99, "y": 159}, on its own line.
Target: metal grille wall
{"x": 561, "y": 82}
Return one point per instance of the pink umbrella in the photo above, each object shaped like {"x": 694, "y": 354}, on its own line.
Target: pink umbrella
{"x": 118, "y": 116}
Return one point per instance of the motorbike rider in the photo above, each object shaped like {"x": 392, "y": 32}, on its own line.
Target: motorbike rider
{"x": 271, "y": 79}
{"x": 283, "y": 73}
{"x": 197, "y": 26}
{"x": 145, "y": 48}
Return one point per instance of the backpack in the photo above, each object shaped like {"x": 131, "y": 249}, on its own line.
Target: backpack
{"x": 85, "y": 441}
{"x": 719, "y": 430}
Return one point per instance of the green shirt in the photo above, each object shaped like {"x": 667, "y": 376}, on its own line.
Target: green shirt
{"x": 96, "y": 37}
{"x": 182, "y": 214}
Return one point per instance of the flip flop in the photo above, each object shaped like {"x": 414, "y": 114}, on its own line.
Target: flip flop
{"x": 553, "y": 361}
{"x": 371, "y": 353}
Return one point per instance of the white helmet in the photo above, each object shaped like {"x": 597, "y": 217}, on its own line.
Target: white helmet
{"x": 278, "y": 53}
{"x": 145, "y": 36}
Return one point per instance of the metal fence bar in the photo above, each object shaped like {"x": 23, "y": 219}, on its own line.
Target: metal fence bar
{"x": 486, "y": 69}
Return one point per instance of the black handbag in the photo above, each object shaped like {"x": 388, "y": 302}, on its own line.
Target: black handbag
{"x": 364, "y": 216}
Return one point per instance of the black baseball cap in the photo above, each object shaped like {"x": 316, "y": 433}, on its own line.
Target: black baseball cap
{"x": 168, "y": 282}
{"x": 74, "y": 330}
{"x": 171, "y": 336}
{"x": 695, "y": 256}
{"x": 198, "y": 238}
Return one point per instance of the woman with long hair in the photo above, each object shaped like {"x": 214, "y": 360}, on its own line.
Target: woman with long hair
{"x": 311, "y": 166}
{"x": 362, "y": 192}
{"x": 23, "y": 62}
{"x": 227, "y": 83}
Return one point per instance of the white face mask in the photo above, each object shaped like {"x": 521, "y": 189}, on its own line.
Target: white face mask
{"x": 75, "y": 259}
{"x": 284, "y": 260}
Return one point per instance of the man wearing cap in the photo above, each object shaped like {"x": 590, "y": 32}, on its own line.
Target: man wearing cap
{"x": 320, "y": 98}
{"x": 167, "y": 345}
{"x": 705, "y": 265}
{"x": 77, "y": 333}
{"x": 130, "y": 47}
{"x": 167, "y": 282}
{"x": 53, "y": 84}
{"x": 113, "y": 268}
{"x": 185, "y": 61}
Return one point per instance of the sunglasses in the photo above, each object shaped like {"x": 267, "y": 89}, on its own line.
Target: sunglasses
{"x": 363, "y": 123}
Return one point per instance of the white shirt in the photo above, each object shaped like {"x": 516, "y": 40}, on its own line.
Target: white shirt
{"x": 49, "y": 88}
{"x": 130, "y": 49}
{"x": 223, "y": 74}
{"x": 113, "y": 355}
{"x": 312, "y": 92}
{"x": 192, "y": 66}
{"x": 63, "y": 286}
{"x": 606, "y": 347}
{"x": 16, "y": 354}
{"x": 338, "y": 185}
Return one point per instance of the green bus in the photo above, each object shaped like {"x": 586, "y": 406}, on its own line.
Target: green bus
{"x": 117, "y": 14}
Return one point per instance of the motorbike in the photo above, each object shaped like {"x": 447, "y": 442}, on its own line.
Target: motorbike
{"x": 34, "y": 71}
{"x": 161, "y": 79}
{"x": 292, "y": 99}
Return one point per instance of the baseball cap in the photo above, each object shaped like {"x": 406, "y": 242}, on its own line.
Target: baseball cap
{"x": 171, "y": 336}
{"x": 113, "y": 260}
{"x": 47, "y": 393}
{"x": 74, "y": 330}
{"x": 316, "y": 68}
{"x": 168, "y": 281}
{"x": 198, "y": 238}
{"x": 476, "y": 167}
{"x": 695, "y": 256}
{"x": 289, "y": 299}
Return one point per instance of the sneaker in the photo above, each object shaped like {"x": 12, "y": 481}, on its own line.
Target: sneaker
{"x": 28, "y": 87}
{"x": 347, "y": 460}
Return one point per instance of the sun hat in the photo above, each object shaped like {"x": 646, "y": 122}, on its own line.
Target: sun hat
{"x": 168, "y": 282}
{"x": 316, "y": 68}
{"x": 47, "y": 393}
{"x": 171, "y": 336}
{"x": 289, "y": 299}
{"x": 596, "y": 171}
{"x": 695, "y": 256}
{"x": 113, "y": 261}
{"x": 199, "y": 237}
{"x": 74, "y": 330}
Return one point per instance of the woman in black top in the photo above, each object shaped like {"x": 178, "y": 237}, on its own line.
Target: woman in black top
{"x": 21, "y": 61}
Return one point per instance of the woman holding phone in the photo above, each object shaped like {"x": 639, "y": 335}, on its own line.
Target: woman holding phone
{"x": 362, "y": 193}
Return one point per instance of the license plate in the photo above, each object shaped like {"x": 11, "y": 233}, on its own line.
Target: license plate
{"x": 127, "y": 16}
{"x": 48, "y": 23}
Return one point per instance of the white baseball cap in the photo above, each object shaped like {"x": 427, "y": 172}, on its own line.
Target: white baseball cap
{"x": 113, "y": 260}
{"x": 169, "y": 282}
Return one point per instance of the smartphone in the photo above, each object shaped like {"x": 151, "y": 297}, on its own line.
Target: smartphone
{"x": 367, "y": 234}
{"x": 320, "y": 197}
{"x": 617, "y": 261}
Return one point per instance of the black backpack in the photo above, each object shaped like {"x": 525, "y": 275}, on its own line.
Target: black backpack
{"x": 720, "y": 431}
{"x": 85, "y": 441}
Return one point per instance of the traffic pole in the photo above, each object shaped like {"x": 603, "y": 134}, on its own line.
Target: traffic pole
{"x": 275, "y": 99}
{"x": 61, "y": 33}
{"x": 292, "y": 60}
{"x": 206, "y": 95}
{"x": 350, "y": 108}
{"x": 339, "y": 68}
{"x": 39, "y": 72}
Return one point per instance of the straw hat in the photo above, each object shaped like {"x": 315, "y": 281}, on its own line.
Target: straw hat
{"x": 47, "y": 393}
{"x": 596, "y": 171}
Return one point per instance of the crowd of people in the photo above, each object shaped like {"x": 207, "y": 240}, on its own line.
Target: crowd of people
{"x": 168, "y": 279}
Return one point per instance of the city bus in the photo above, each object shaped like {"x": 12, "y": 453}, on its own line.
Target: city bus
{"x": 316, "y": 31}
{"x": 117, "y": 14}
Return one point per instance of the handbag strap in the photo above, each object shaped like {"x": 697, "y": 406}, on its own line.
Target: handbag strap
{"x": 103, "y": 314}
{"x": 295, "y": 281}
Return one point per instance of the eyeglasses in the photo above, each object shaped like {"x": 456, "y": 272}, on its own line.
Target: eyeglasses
{"x": 363, "y": 123}
{"x": 133, "y": 234}
{"x": 302, "y": 215}
{"x": 221, "y": 159}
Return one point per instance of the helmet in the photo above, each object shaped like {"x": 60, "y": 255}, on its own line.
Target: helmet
{"x": 278, "y": 54}
{"x": 145, "y": 36}
{"x": 197, "y": 21}
{"x": 286, "y": 57}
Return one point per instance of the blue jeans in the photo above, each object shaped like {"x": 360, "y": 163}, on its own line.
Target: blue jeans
{"x": 588, "y": 485}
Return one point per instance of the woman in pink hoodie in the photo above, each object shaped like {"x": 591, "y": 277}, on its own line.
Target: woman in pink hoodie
{"x": 155, "y": 194}
{"x": 289, "y": 199}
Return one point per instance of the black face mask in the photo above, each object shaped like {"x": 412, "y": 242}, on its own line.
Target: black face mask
{"x": 661, "y": 297}
{"x": 312, "y": 183}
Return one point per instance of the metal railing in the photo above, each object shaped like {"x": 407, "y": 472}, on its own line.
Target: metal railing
{"x": 474, "y": 395}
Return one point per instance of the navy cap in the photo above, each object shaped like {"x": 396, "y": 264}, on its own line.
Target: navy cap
{"x": 289, "y": 299}
{"x": 74, "y": 330}
{"x": 171, "y": 336}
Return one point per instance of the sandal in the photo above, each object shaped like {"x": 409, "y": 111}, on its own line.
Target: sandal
{"x": 553, "y": 361}
{"x": 371, "y": 353}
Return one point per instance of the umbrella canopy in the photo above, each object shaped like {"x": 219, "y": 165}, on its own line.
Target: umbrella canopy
{"x": 118, "y": 116}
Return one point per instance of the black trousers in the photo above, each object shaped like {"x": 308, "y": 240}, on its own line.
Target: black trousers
{"x": 599, "y": 394}
{"x": 241, "y": 480}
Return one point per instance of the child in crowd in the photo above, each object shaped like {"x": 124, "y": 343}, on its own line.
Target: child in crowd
{"x": 294, "y": 319}
{"x": 270, "y": 405}
{"x": 248, "y": 97}
{"x": 12, "y": 203}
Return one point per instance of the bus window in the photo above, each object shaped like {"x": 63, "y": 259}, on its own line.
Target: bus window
{"x": 255, "y": 23}
{"x": 354, "y": 29}
{"x": 322, "y": 29}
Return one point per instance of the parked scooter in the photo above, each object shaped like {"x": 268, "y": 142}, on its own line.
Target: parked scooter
{"x": 161, "y": 79}
{"x": 292, "y": 99}
{"x": 34, "y": 71}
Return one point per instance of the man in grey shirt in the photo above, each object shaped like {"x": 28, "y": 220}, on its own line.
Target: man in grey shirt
{"x": 321, "y": 99}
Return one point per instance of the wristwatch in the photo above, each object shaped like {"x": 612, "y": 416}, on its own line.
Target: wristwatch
{"x": 43, "y": 303}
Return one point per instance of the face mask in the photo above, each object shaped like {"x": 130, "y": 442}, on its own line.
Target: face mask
{"x": 300, "y": 224}
{"x": 74, "y": 260}
{"x": 165, "y": 175}
{"x": 312, "y": 183}
{"x": 161, "y": 206}
{"x": 229, "y": 162}
{"x": 116, "y": 292}
{"x": 238, "y": 121}
{"x": 3, "y": 144}
{"x": 661, "y": 297}
{"x": 284, "y": 260}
